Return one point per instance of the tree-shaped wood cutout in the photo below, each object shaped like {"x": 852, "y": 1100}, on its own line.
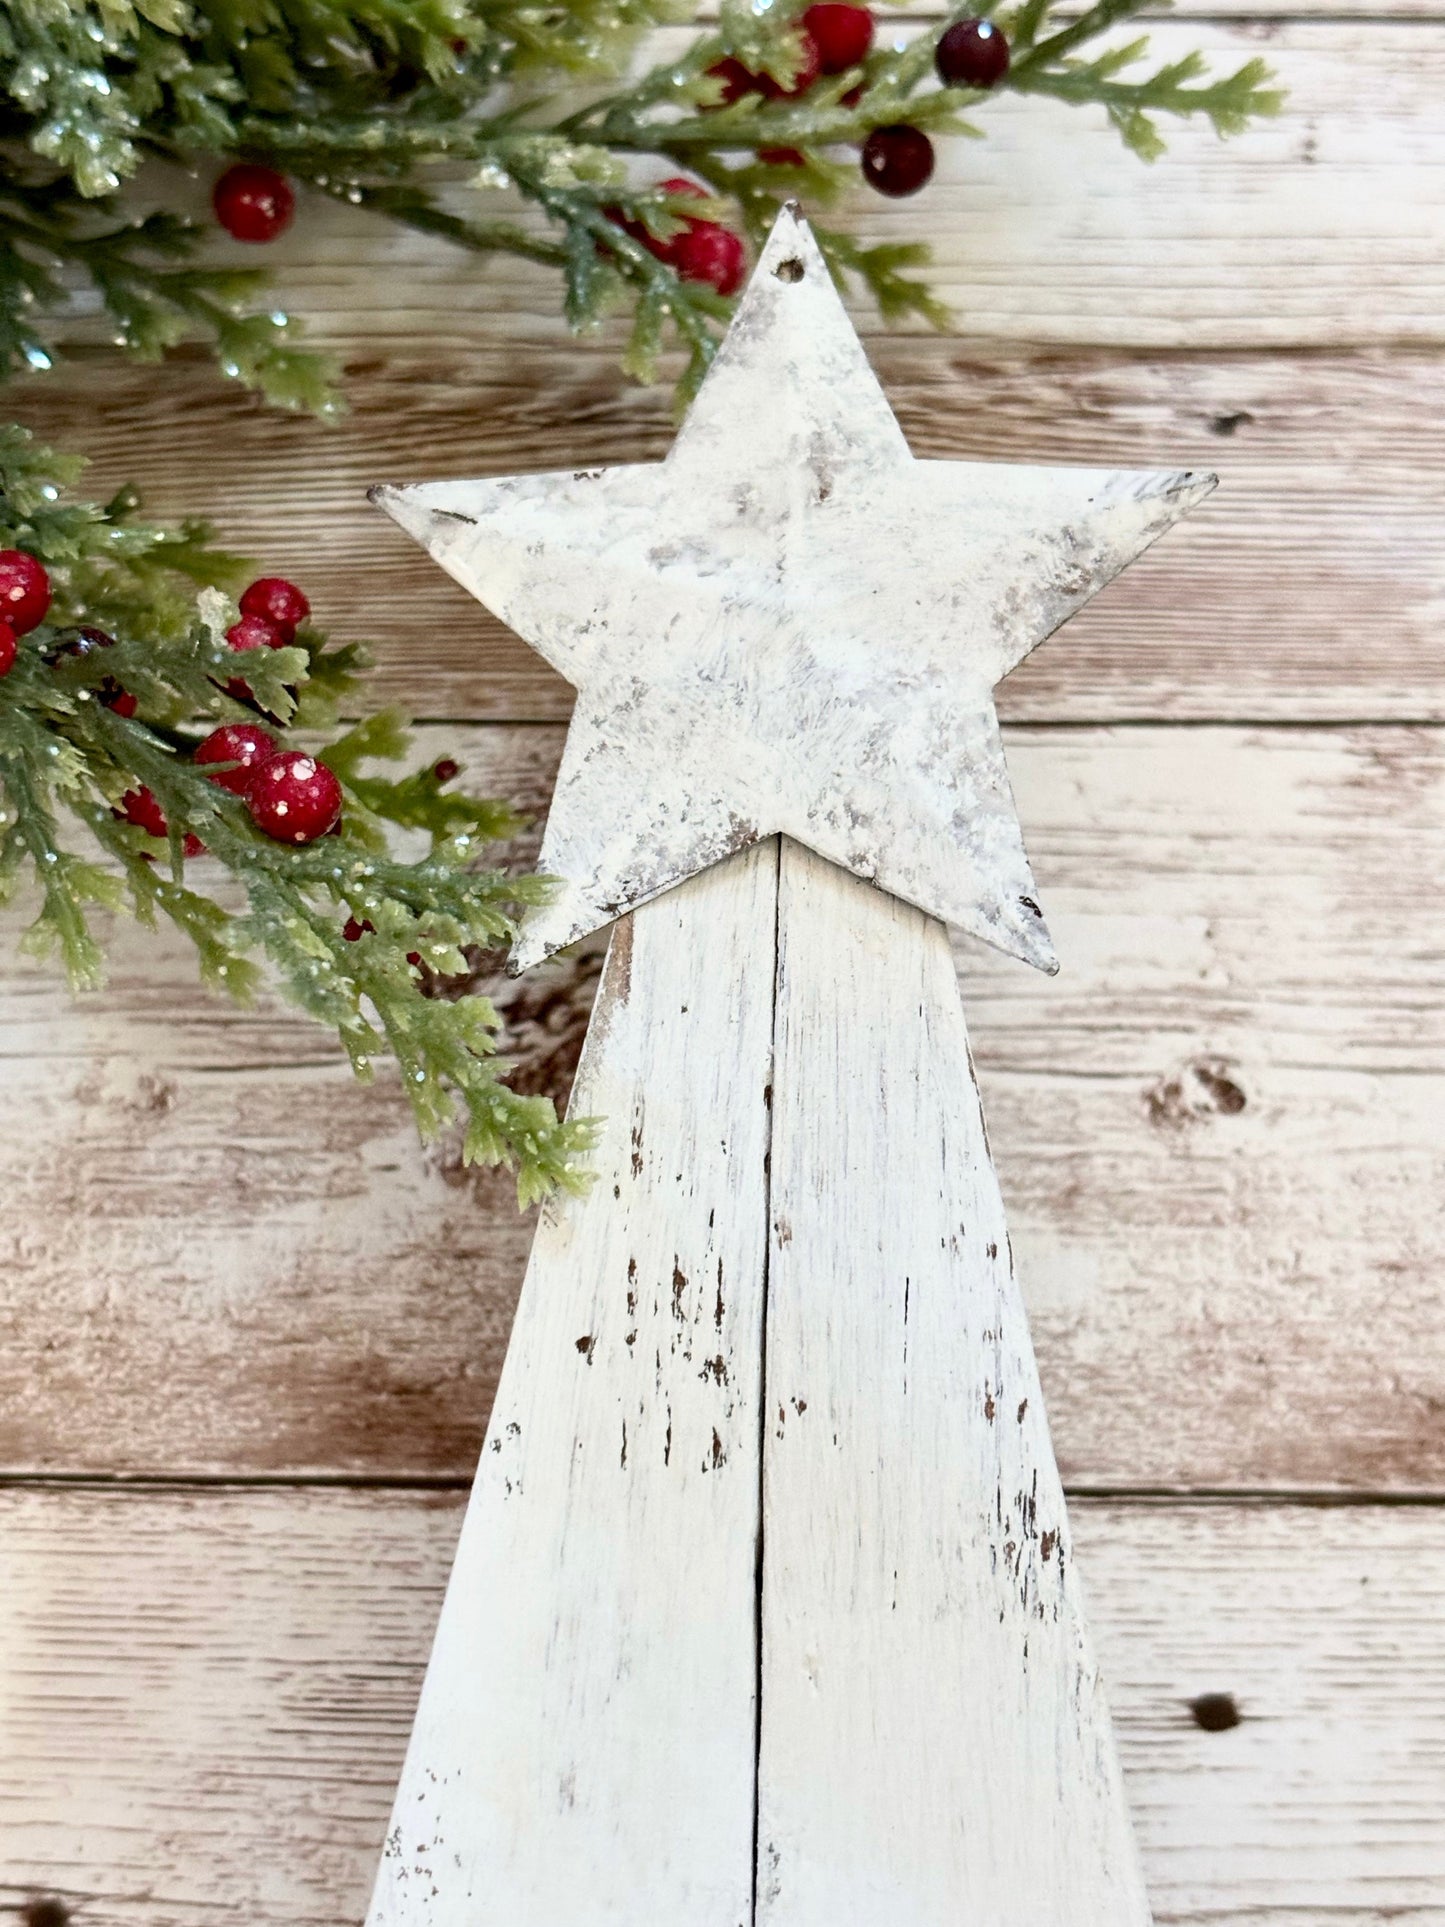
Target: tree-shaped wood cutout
{"x": 764, "y": 1612}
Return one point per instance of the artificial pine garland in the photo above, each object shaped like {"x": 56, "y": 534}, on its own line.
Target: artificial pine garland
{"x": 122, "y": 699}
{"x": 109, "y": 655}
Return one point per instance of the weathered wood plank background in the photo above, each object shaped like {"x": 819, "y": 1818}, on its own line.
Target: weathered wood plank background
{"x": 228, "y": 1274}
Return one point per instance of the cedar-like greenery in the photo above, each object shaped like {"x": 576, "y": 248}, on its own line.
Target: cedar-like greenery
{"x": 392, "y": 106}
{"x": 375, "y": 101}
{"x": 68, "y": 758}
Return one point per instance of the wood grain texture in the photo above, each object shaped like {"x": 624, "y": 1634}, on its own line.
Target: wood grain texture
{"x": 218, "y": 1256}
{"x": 206, "y": 1697}
{"x": 922, "y": 1624}
{"x": 1316, "y": 573}
{"x": 1219, "y": 1146}
{"x": 595, "y": 1667}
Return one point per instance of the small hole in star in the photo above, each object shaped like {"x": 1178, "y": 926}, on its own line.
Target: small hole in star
{"x": 789, "y": 270}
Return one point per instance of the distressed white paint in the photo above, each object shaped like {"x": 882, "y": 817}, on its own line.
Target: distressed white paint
{"x": 935, "y": 1745}
{"x": 207, "y": 1689}
{"x": 584, "y": 1751}
{"x": 790, "y": 624}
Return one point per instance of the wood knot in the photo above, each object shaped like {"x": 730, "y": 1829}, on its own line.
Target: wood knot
{"x": 1202, "y": 1089}
{"x": 1215, "y": 1712}
{"x": 789, "y": 270}
{"x": 45, "y": 1910}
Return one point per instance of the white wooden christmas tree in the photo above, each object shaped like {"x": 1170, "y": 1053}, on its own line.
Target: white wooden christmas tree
{"x": 765, "y": 1612}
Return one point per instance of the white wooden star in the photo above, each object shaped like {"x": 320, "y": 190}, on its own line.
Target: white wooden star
{"x": 790, "y": 624}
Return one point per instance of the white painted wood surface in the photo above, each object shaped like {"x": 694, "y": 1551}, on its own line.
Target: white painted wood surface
{"x": 219, "y": 1259}
{"x": 935, "y": 1742}
{"x": 262, "y": 1274}
{"x": 585, "y": 1747}
{"x": 790, "y": 624}
{"x": 206, "y": 1695}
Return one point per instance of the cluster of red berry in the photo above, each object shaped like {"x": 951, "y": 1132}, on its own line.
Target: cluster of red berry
{"x": 255, "y": 203}
{"x": 289, "y": 794}
{"x": 896, "y": 160}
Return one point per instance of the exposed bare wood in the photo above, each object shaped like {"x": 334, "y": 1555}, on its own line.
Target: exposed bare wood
{"x": 207, "y": 1698}
{"x": 218, "y": 1253}
{"x": 1327, "y": 462}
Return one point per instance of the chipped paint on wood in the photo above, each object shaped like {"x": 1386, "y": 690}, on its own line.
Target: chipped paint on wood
{"x": 584, "y": 1751}
{"x": 251, "y": 1287}
{"x": 208, "y": 1689}
{"x": 790, "y": 624}
{"x": 923, "y": 1631}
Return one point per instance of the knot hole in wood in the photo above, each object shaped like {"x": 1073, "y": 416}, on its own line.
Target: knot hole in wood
{"x": 790, "y": 270}
{"x": 1215, "y": 1712}
{"x": 45, "y": 1910}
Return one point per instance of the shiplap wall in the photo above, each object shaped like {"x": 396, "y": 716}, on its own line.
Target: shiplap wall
{"x": 226, "y": 1270}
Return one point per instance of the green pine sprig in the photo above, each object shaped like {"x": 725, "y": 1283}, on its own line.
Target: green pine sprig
{"x": 366, "y": 99}
{"x": 69, "y": 758}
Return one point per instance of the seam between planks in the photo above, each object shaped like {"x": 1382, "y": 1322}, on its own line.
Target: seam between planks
{"x": 763, "y": 1382}
{"x": 1317, "y": 1498}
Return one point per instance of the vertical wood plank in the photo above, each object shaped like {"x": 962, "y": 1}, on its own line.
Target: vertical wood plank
{"x": 934, "y": 1742}
{"x": 584, "y": 1752}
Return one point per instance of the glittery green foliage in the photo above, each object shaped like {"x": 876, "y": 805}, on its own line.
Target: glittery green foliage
{"x": 68, "y": 758}
{"x": 378, "y": 102}
{"x": 419, "y": 112}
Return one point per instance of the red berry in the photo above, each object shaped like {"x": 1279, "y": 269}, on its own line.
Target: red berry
{"x": 897, "y": 160}
{"x": 842, "y": 34}
{"x": 253, "y": 203}
{"x": 245, "y": 744}
{"x": 638, "y": 229}
{"x": 24, "y": 590}
{"x": 108, "y": 691}
{"x": 353, "y": 931}
{"x": 413, "y": 957}
{"x": 699, "y": 251}
{"x": 972, "y": 53}
{"x": 255, "y": 632}
{"x": 140, "y": 807}
{"x": 7, "y": 648}
{"x": 446, "y": 769}
{"x": 738, "y": 80}
{"x": 705, "y": 251}
{"x": 293, "y": 797}
{"x": 279, "y": 602}
{"x": 83, "y": 642}
{"x": 702, "y": 250}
